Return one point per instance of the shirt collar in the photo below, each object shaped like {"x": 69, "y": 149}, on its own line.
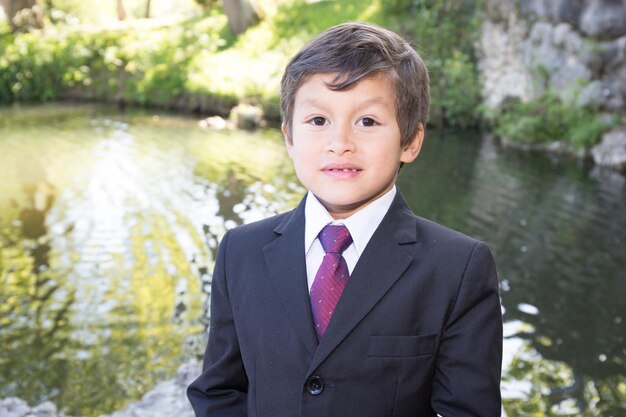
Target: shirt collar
{"x": 361, "y": 224}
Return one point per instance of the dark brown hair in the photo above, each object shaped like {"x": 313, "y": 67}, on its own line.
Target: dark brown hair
{"x": 355, "y": 51}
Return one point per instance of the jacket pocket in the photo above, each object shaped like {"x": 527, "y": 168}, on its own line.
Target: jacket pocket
{"x": 394, "y": 346}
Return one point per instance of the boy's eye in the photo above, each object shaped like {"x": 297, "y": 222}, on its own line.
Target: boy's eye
{"x": 318, "y": 121}
{"x": 367, "y": 122}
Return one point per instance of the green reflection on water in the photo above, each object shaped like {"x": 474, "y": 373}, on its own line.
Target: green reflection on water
{"x": 108, "y": 222}
{"x": 556, "y": 228}
{"x": 550, "y": 388}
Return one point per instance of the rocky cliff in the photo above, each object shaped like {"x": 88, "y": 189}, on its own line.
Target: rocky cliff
{"x": 574, "y": 48}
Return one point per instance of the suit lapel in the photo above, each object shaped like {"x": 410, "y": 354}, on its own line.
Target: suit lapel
{"x": 380, "y": 265}
{"x": 285, "y": 260}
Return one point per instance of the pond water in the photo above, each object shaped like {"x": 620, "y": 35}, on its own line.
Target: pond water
{"x": 109, "y": 222}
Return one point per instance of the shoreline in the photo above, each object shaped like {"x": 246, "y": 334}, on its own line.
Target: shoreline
{"x": 609, "y": 153}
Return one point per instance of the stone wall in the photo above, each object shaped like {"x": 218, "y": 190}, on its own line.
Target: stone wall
{"x": 573, "y": 48}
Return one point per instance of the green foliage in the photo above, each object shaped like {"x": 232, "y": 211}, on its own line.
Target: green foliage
{"x": 196, "y": 64}
{"x": 131, "y": 65}
{"x": 34, "y": 70}
{"x": 444, "y": 32}
{"x": 548, "y": 119}
{"x": 542, "y": 397}
{"x": 458, "y": 91}
{"x": 303, "y": 20}
{"x": 4, "y": 24}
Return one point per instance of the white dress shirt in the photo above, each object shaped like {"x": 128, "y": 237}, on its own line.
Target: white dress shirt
{"x": 361, "y": 226}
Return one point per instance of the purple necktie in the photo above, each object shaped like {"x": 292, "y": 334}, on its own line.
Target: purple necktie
{"x": 331, "y": 277}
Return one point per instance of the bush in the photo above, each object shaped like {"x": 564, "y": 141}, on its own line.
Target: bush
{"x": 549, "y": 119}
{"x": 131, "y": 65}
{"x": 459, "y": 91}
{"x": 444, "y": 32}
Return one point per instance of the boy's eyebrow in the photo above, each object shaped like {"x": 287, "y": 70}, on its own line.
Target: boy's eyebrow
{"x": 373, "y": 100}
{"x": 310, "y": 101}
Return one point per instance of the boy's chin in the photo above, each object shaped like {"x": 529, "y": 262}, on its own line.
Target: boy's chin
{"x": 345, "y": 207}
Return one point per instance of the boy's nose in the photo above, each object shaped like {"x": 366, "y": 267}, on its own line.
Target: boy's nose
{"x": 341, "y": 139}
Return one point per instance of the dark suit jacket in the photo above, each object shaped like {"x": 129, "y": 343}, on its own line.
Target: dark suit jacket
{"x": 418, "y": 329}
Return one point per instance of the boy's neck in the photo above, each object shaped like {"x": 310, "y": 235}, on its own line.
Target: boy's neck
{"x": 384, "y": 199}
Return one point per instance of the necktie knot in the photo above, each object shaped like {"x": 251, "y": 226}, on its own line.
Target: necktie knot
{"x": 335, "y": 238}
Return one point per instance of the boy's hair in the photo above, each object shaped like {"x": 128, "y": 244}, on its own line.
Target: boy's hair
{"x": 355, "y": 51}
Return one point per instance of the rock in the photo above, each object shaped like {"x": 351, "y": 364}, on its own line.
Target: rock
{"x": 15, "y": 407}
{"x": 611, "y": 151}
{"x": 46, "y": 409}
{"x": 565, "y": 37}
{"x": 247, "y": 116}
{"x": 500, "y": 11}
{"x": 597, "y": 55}
{"x": 531, "y": 47}
{"x": 566, "y": 10}
{"x": 553, "y": 10}
{"x": 615, "y": 92}
{"x": 552, "y": 54}
{"x": 534, "y": 9}
{"x": 556, "y": 58}
{"x": 609, "y": 180}
{"x": 592, "y": 95}
{"x": 195, "y": 345}
{"x": 167, "y": 399}
{"x": 503, "y": 72}
{"x": 604, "y": 19}
{"x": 607, "y": 61}
{"x": 573, "y": 48}
{"x": 616, "y": 66}
{"x": 213, "y": 122}
{"x": 616, "y": 58}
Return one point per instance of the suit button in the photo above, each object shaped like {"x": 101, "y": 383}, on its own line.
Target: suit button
{"x": 315, "y": 385}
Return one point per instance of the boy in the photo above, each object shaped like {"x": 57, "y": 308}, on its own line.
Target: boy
{"x": 350, "y": 305}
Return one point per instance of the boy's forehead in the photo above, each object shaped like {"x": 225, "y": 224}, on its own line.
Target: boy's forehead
{"x": 376, "y": 88}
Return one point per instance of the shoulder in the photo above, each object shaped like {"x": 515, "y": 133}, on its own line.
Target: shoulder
{"x": 451, "y": 245}
{"x": 258, "y": 231}
{"x": 438, "y": 242}
{"x": 411, "y": 228}
{"x": 437, "y": 233}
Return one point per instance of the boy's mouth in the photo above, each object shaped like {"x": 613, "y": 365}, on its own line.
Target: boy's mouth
{"x": 342, "y": 170}
{"x": 341, "y": 167}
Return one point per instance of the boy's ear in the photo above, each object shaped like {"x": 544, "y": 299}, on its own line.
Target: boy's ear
{"x": 410, "y": 151}
{"x": 287, "y": 137}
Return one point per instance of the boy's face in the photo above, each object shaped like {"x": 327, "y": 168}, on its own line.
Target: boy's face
{"x": 345, "y": 145}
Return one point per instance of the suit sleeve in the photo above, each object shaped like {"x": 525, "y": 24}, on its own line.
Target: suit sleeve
{"x": 221, "y": 389}
{"x": 467, "y": 377}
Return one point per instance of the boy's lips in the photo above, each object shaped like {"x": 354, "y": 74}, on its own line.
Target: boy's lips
{"x": 342, "y": 171}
